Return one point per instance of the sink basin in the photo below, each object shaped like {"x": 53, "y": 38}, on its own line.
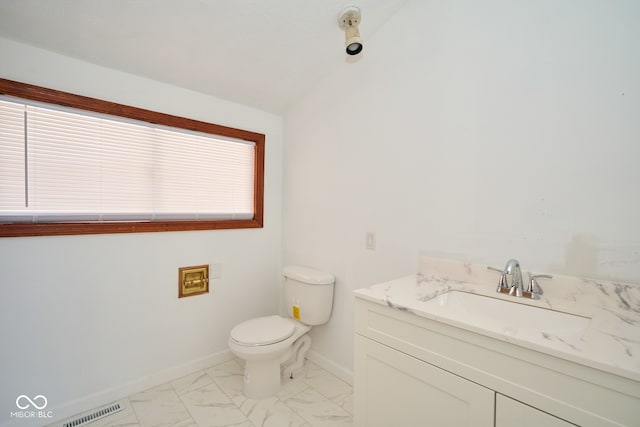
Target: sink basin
{"x": 504, "y": 316}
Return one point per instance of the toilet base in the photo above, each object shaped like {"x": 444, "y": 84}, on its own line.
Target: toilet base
{"x": 298, "y": 354}
{"x": 261, "y": 378}
{"x": 262, "y": 373}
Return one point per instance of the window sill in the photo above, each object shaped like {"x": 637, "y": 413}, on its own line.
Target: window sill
{"x": 65, "y": 229}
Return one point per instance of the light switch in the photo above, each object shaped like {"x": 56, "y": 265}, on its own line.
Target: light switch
{"x": 370, "y": 241}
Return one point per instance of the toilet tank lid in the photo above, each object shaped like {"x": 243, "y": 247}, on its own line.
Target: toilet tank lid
{"x": 308, "y": 275}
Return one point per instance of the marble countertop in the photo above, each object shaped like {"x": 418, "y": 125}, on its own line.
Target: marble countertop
{"x": 611, "y": 341}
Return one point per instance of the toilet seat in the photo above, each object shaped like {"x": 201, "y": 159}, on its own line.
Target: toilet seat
{"x": 262, "y": 331}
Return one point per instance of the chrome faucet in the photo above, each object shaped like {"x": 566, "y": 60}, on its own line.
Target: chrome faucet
{"x": 511, "y": 281}
{"x": 512, "y": 269}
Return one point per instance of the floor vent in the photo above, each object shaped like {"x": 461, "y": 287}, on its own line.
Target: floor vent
{"x": 95, "y": 415}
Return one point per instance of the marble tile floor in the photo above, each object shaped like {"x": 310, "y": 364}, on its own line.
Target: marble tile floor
{"x": 213, "y": 397}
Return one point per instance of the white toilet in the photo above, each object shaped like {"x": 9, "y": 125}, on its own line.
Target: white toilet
{"x": 266, "y": 343}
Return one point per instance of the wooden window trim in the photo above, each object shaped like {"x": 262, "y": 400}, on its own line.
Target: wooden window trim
{"x": 51, "y": 96}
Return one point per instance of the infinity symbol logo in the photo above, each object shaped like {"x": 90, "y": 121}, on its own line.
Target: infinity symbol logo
{"x": 22, "y": 397}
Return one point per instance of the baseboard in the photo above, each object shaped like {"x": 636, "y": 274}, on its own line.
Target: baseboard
{"x": 103, "y": 397}
{"x": 329, "y": 365}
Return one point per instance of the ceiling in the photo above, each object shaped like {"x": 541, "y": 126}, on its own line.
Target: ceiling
{"x": 261, "y": 53}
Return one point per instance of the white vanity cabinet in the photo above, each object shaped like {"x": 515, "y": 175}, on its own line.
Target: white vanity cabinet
{"x": 413, "y": 371}
{"x": 404, "y": 391}
{"x": 512, "y": 413}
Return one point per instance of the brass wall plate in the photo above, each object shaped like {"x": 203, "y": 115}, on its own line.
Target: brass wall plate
{"x": 193, "y": 280}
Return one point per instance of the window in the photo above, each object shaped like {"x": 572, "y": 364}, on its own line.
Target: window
{"x": 100, "y": 167}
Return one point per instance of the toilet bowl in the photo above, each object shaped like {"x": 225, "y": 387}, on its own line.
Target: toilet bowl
{"x": 275, "y": 346}
{"x": 264, "y": 344}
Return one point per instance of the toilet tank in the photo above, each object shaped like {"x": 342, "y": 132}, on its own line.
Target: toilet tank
{"x": 309, "y": 294}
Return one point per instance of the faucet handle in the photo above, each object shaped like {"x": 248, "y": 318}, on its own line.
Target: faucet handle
{"x": 534, "y": 286}
{"x": 502, "y": 283}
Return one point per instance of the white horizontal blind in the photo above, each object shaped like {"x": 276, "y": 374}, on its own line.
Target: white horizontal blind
{"x": 12, "y": 156}
{"x": 82, "y": 167}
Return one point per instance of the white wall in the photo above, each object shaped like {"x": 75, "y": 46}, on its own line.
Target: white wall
{"x": 476, "y": 130}
{"x": 83, "y": 318}
{"x": 473, "y": 130}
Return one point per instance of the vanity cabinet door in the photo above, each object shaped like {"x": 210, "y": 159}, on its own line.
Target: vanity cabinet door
{"x": 395, "y": 389}
{"x": 510, "y": 413}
